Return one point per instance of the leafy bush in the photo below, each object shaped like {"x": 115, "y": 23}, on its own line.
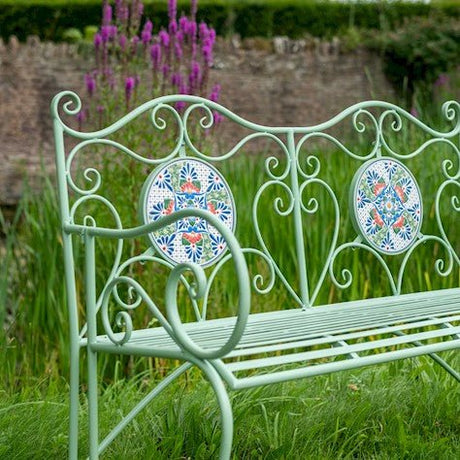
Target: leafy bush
{"x": 419, "y": 52}
{"x": 50, "y": 18}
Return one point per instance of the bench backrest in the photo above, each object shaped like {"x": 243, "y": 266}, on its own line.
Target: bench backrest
{"x": 344, "y": 205}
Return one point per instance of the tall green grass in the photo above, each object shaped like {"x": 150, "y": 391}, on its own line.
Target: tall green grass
{"x": 395, "y": 411}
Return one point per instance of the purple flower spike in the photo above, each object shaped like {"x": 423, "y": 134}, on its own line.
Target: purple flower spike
{"x": 81, "y": 116}
{"x": 414, "y": 112}
{"x": 121, "y": 11}
{"x": 203, "y": 30}
{"x": 100, "y": 108}
{"x": 194, "y": 76}
{"x": 207, "y": 54}
{"x": 134, "y": 41}
{"x": 176, "y": 79}
{"x": 147, "y": 32}
{"x": 172, "y": 26}
{"x": 193, "y": 8}
{"x": 90, "y": 83}
{"x": 155, "y": 54}
{"x": 106, "y": 33}
{"x": 214, "y": 96}
{"x": 172, "y": 9}
{"x": 106, "y": 14}
{"x": 183, "y": 24}
{"x": 164, "y": 38}
{"x": 180, "y": 106}
{"x": 218, "y": 118}
{"x": 178, "y": 50}
{"x": 165, "y": 70}
{"x": 212, "y": 35}
{"x": 97, "y": 40}
{"x": 192, "y": 28}
{"x": 122, "y": 41}
{"x": 130, "y": 83}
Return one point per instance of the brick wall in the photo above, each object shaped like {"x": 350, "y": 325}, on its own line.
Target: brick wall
{"x": 278, "y": 82}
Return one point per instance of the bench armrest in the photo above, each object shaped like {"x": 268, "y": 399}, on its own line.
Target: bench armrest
{"x": 199, "y": 291}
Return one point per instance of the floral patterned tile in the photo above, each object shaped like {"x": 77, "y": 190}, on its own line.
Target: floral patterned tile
{"x": 387, "y": 205}
{"x": 189, "y": 183}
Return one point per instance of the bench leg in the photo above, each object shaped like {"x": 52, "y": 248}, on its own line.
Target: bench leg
{"x": 74, "y": 403}
{"x": 446, "y": 366}
{"x": 436, "y": 359}
{"x": 92, "y": 405}
{"x": 226, "y": 413}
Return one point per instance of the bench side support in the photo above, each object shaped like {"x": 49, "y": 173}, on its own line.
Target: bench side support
{"x": 70, "y": 288}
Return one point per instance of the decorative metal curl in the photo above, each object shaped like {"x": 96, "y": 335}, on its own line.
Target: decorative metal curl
{"x": 450, "y": 110}
{"x": 313, "y": 209}
{"x": 207, "y": 122}
{"x": 277, "y": 204}
{"x": 271, "y": 163}
{"x": 313, "y": 163}
{"x": 374, "y": 151}
{"x": 147, "y": 257}
{"x": 122, "y": 318}
{"x": 455, "y": 202}
{"x": 439, "y": 263}
{"x": 257, "y": 280}
{"x": 346, "y": 273}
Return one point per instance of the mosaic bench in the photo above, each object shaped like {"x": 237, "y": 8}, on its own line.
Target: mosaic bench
{"x": 384, "y": 234}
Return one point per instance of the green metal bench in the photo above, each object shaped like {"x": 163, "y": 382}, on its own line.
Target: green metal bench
{"x": 186, "y": 222}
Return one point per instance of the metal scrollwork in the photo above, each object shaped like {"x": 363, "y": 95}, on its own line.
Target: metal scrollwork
{"x": 291, "y": 175}
{"x": 123, "y": 318}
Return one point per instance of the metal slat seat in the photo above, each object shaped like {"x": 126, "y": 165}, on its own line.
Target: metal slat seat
{"x": 312, "y": 336}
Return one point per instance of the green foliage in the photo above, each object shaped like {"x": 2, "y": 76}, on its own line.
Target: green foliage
{"x": 72, "y": 35}
{"x": 386, "y": 412}
{"x": 419, "y": 52}
{"x": 49, "y": 19}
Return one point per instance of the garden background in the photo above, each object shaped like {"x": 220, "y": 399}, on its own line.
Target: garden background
{"x": 273, "y": 62}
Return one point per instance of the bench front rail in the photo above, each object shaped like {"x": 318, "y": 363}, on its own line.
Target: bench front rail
{"x": 183, "y": 225}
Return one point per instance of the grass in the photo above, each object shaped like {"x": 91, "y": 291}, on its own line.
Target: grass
{"x": 401, "y": 410}
{"x": 393, "y": 411}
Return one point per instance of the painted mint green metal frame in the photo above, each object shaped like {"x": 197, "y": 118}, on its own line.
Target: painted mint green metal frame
{"x": 437, "y": 312}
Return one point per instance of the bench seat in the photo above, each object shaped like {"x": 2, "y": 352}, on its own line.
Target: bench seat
{"x": 319, "y": 338}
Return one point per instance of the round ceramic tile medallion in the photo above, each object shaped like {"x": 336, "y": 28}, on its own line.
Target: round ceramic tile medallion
{"x": 386, "y": 205}
{"x": 188, "y": 183}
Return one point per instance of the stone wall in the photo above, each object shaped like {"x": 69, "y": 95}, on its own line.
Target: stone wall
{"x": 269, "y": 82}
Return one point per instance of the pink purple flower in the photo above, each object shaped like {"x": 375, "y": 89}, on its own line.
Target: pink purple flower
{"x": 214, "y": 96}
{"x": 122, "y": 41}
{"x": 184, "y": 24}
{"x": 97, "y": 40}
{"x": 90, "y": 83}
{"x": 106, "y": 14}
{"x": 172, "y": 9}
{"x": 164, "y": 38}
{"x": 155, "y": 55}
{"x": 146, "y": 34}
{"x": 442, "y": 80}
{"x": 130, "y": 83}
